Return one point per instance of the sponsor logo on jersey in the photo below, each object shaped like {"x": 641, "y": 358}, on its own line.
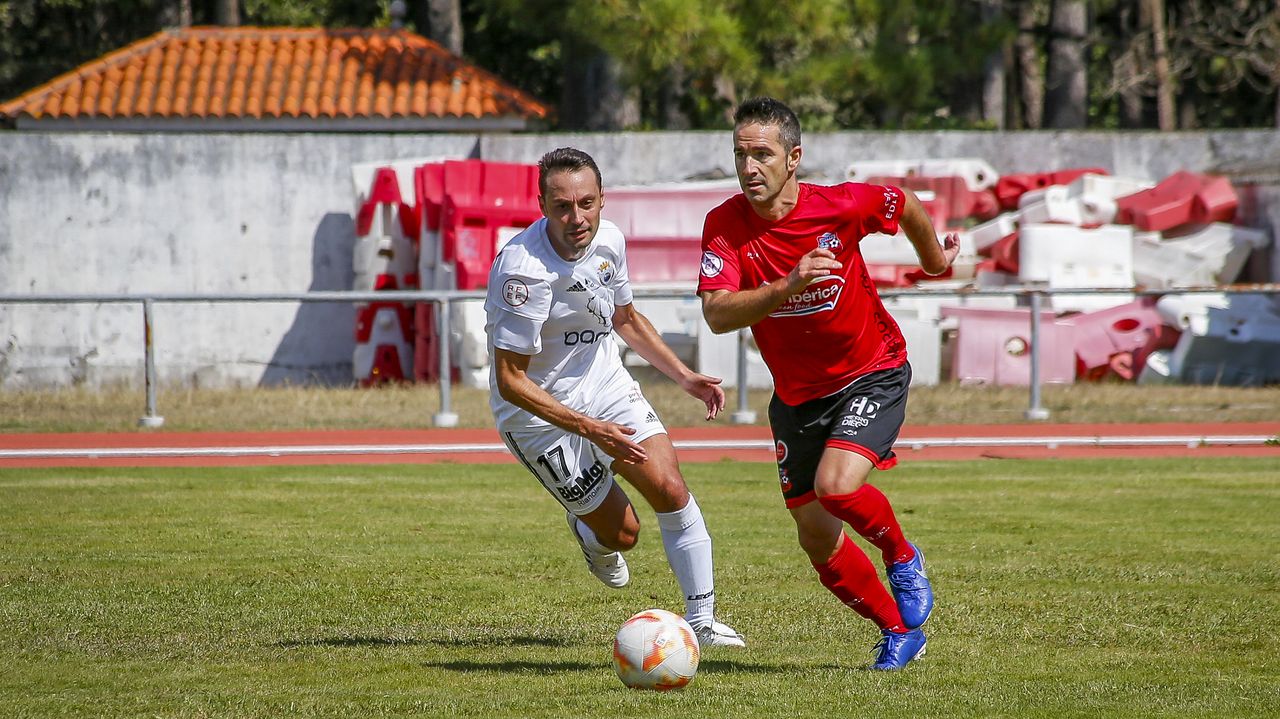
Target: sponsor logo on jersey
{"x": 584, "y": 485}
{"x": 651, "y": 417}
{"x": 583, "y": 337}
{"x": 605, "y": 272}
{"x": 515, "y": 292}
{"x": 820, "y": 296}
{"x": 829, "y": 241}
{"x": 712, "y": 264}
{"x": 576, "y": 287}
{"x": 782, "y": 451}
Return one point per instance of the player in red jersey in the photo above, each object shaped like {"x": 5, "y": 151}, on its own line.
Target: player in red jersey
{"x": 783, "y": 259}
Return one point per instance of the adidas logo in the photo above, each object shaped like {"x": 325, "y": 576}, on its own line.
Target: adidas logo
{"x": 651, "y": 417}
{"x": 576, "y": 287}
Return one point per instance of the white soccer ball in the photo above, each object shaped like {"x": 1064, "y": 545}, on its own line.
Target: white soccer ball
{"x": 656, "y": 649}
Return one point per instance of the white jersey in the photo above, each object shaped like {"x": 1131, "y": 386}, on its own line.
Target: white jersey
{"x": 560, "y": 313}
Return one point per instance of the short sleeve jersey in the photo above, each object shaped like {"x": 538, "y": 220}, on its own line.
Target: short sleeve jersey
{"x": 819, "y": 340}
{"x": 560, "y": 313}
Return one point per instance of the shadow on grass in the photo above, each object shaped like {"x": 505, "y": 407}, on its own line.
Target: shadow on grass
{"x": 716, "y": 666}
{"x": 514, "y": 666}
{"x": 512, "y": 641}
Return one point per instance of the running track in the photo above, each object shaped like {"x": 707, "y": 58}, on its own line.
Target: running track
{"x": 695, "y": 444}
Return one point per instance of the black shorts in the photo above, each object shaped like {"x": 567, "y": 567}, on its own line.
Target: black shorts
{"x": 864, "y": 417}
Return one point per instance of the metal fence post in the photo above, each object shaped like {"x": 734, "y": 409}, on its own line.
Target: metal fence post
{"x": 1035, "y": 411}
{"x": 445, "y": 417}
{"x": 150, "y": 419}
{"x": 743, "y": 415}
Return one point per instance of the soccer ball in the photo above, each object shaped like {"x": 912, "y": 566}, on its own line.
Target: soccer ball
{"x": 656, "y": 649}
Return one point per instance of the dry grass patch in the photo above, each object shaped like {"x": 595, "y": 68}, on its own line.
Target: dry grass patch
{"x": 413, "y": 406}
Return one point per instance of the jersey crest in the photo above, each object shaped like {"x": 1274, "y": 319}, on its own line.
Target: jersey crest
{"x": 829, "y": 241}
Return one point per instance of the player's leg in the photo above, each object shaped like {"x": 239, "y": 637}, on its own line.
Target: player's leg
{"x": 800, "y": 436}
{"x": 684, "y": 536}
{"x": 846, "y": 572}
{"x": 597, "y": 510}
{"x": 862, "y": 434}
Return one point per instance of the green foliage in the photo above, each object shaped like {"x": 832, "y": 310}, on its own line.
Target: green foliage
{"x": 892, "y": 64}
{"x": 1065, "y": 589}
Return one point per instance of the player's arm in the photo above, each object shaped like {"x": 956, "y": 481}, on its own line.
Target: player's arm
{"x": 934, "y": 258}
{"x": 641, "y": 336}
{"x": 726, "y": 310}
{"x": 511, "y": 371}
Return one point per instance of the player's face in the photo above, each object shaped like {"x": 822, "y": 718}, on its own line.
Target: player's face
{"x": 763, "y": 162}
{"x": 571, "y": 203}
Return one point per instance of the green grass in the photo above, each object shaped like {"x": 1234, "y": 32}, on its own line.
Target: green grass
{"x": 1065, "y": 588}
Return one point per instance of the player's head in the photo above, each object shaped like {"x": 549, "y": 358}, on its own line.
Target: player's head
{"x": 766, "y": 148}
{"x": 571, "y": 195}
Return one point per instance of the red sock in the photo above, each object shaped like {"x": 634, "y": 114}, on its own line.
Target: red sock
{"x": 867, "y": 510}
{"x": 853, "y": 579}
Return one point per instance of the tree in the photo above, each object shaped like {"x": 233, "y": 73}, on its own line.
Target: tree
{"x": 1066, "y": 74}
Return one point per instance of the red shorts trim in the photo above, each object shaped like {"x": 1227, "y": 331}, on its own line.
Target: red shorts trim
{"x": 802, "y": 500}
{"x": 848, "y": 446}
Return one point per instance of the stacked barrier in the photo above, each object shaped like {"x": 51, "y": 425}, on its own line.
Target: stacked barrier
{"x": 438, "y": 225}
{"x": 384, "y": 257}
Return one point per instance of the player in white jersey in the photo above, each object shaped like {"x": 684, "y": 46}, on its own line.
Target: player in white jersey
{"x": 567, "y": 407}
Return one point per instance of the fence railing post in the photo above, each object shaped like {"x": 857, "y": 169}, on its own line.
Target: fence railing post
{"x": 446, "y": 417}
{"x": 150, "y": 419}
{"x": 1035, "y": 411}
{"x": 744, "y": 415}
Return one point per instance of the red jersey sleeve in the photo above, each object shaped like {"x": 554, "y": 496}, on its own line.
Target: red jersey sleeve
{"x": 879, "y": 206}
{"x": 719, "y": 269}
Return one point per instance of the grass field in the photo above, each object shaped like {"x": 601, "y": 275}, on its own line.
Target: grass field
{"x": 1066, "y": 588}
{"x": 80, "y": 409}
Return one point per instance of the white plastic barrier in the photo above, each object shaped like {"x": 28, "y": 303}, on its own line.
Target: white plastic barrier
{"x": 1211, "y": 255}
{"x": 1226, "y": 341}
{"x": 978, "y": 174}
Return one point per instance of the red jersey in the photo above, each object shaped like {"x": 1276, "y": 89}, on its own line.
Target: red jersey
{"x": 822, "y": 338}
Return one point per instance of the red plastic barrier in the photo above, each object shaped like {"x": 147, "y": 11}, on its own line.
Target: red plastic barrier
{"x": 384, "y": 191}
{"x": 1011, "y": 188}
{"x": 953, "y": 200}
{"x": 1118, "y": 339}
{"x": 901, "y": 275}
{"x": 428, "y": 186}
{"x": 1179, "y": 199}
{"x": 365, "y": 318}
{"x": 386, "y": 367}
{"x": 480, "y": 198}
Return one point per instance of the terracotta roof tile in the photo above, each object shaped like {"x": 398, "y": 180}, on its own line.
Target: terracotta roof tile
{"x": 214, "y": 72}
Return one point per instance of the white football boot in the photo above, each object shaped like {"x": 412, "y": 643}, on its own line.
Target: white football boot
{"x": 610, "y": 568}
{"x": 716, "y": 634}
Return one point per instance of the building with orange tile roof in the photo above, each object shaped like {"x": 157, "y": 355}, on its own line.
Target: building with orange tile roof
{"x": 230, "y": 79}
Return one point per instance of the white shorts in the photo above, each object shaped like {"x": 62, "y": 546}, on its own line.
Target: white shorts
{"x": 577, "y": 472}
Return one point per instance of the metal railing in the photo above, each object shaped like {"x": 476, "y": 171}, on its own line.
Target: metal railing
{"x": 446, "y": 417}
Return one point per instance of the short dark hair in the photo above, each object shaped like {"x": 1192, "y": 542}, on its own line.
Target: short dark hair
{"x": 768, "y": 111}
{"x": 565, "y": 159}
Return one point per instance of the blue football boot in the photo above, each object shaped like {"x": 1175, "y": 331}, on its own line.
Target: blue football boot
{"x": 911, "y": 590}
{"x": 895, "y": 651}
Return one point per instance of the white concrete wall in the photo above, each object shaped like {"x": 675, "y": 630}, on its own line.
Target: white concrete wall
{"x": 116, "y": 213}
{"x": 232, "y": 213}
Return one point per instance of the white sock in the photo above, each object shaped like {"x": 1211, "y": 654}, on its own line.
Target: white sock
{"x": 684, "y": 536}
{"x": 589, "y": 538}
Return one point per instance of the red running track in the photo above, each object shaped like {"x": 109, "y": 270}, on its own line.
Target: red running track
{"x": 696, "y": 444}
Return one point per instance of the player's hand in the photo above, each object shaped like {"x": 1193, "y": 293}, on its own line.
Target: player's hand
{"x": 612, "y": 438}
{"x": 707, "y": 389}
{"x": 820, "y": 262}
{"x": 951, "y": 247}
